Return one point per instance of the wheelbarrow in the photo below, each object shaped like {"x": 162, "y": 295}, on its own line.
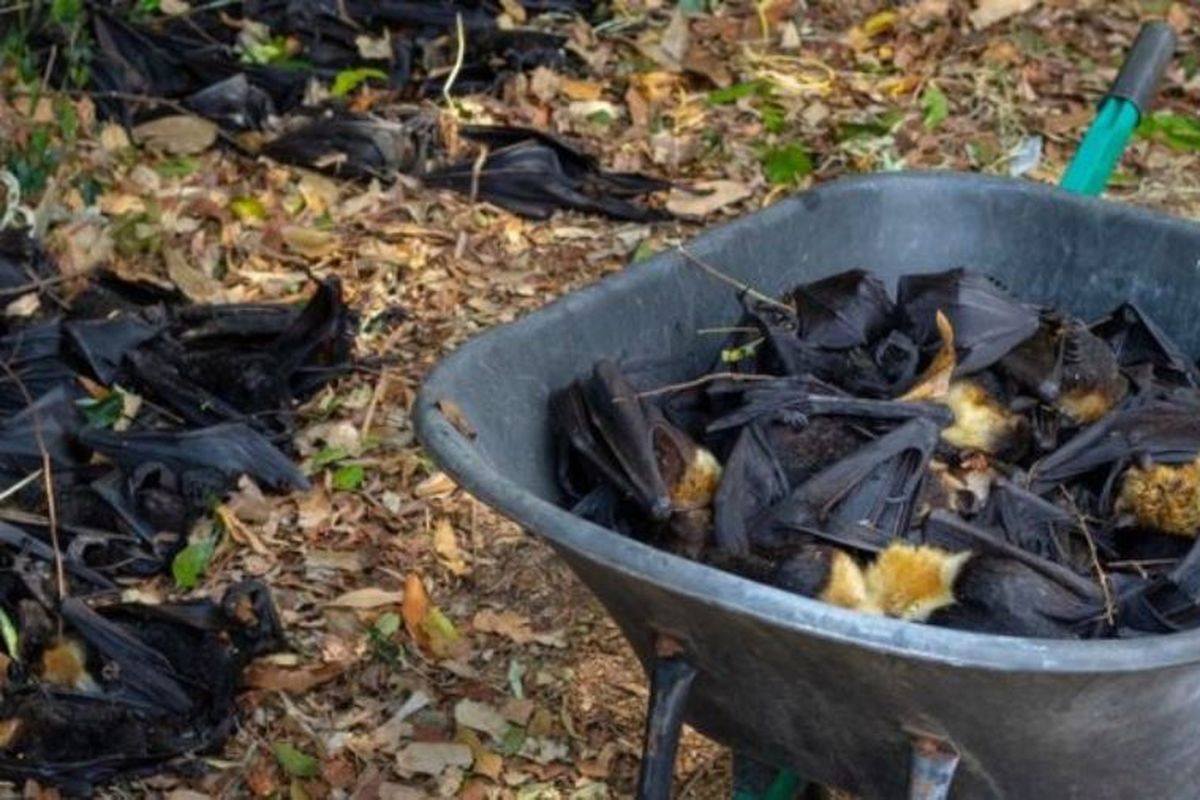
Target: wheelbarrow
{"x": 880, "y": 707}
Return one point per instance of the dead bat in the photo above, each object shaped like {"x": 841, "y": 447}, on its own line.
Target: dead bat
{"x": 876, "y": 370}
{"x": 228, "y": 450}
{"x": 605, "y": 422}
{"x": 1136, "y": 339}
{"x": 104, "y": 343}
{"x": 1035, "y": 524}
{"x": 1163, "y": 432}
{"x": 987, "y": 322}
{"x": 863, "y": 501}
{"x": 753, "y": 482}
{"x": 849, "y": 309}
{"x": 1066, "y": 365}
{"x": 795, "y": 400}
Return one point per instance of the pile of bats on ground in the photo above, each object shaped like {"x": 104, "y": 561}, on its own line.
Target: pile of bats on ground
{"x": 96, "y": 499}
{"x": 953, "y": 456}
{"x": 207, "y": 62}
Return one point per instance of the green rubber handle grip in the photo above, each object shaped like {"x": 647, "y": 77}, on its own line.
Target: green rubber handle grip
{"x": 1122, "y": 109}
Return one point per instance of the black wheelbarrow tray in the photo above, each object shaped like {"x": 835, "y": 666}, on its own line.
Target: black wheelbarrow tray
{"x": 836, "y": 696}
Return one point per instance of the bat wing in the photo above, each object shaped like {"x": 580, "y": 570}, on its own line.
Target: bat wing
{"x": 987, "y": 322}
{"x": 850, "y": 309}
{"x": 1166, "y": 432}
{"x": 864, "y": 500}
{"x": 753, "y": 481}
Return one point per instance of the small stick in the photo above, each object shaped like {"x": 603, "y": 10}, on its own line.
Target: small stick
{"x": 1110, "y": 610}
{"x": 710, "y": 331}
{"x": 716, "y": 376}
{"x": 369, "y": 417}
{"x": 19, "y": 485}
{"x": 741, "y": 287}
{"x": 48, "y": 477}
{"x": 461, "y": 36}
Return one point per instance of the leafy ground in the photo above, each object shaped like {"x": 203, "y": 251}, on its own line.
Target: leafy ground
{"x": 497, "y": 675}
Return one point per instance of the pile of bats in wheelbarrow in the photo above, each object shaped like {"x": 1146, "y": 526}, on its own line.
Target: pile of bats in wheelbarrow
{"x": 254, "y": 68}
{"x": 952, "y": 455}
{"x": 97, "y": 496}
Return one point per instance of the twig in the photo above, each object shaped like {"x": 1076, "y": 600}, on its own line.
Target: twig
{"x": 741, "y": 287}
{"x": 715, "y": 376}
{"x": 369, "y": 417}
{"x": 34, "y": 285}
{"x": 477, "y": 170}
{"x": 461, "y": 37}
{"x": 48, "y": 478}
{"x": 19, "y": 485}
{"x": 1110, "y": 610}
{"x": 735, "y": 329}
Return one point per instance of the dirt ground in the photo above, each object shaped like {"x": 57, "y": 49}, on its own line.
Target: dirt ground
{"x": 522, "y": 665}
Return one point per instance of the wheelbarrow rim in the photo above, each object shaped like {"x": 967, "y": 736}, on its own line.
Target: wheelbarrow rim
{"x": 454, "y": 454}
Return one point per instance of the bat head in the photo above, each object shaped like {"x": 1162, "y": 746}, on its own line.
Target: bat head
{"x": 911, "y": 582}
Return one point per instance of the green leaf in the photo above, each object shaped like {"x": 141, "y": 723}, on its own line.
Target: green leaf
{"x": 103, "y": 412}
{"x": 272, "y": 51}
{"x": 191, "y": 561}
{"x": 1179, "y": 132}
{"x": 731, "y": 94}
{"x": 294, "y": 762}
{"x": 350, "y": 79}
{"x": 387, "y": 624}
{"x": 774, "y": 118}
{"x": 248, "y": 208}
{"x": 644, "y": 250}
{"x": 12, "y": 642}
{"x": 328, "y": 456}
{"x": 66, "y": 11}
{"x": 68, "y": 120}
{"x": 693, "y": 6}
{"x": 348, "y": 478}
{"x": 881, "y": 125}
{"x": 732, "y": 355}
{"x": 177, "y": 167}
{"x": 786, "y": 164}
{"x": 513, "y": 741}
{"x": 935, "y": 105}
{"x": 600, "y": 117}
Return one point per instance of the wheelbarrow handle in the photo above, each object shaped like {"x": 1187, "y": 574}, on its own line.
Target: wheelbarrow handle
{"x": 1145, "y": 65}
{"x": 1121, "y": 110}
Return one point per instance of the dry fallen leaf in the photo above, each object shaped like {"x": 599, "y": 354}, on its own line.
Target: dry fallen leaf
{"x": 455, "y": 416}
{"x": 432, "y": 758}
{"x": 438, "y": 483}
{"x": 415, "y": 607}
{"x": 314, "y": 509}
{"x": 310, "y": 242}
{"x": 989, "y": 12}
{"x": 178, "y": 134}
{"x": 486, "y": 763}
{"x": 195, "y": 285}
{"x": 445, "y": 544}
{"x": 515, "y": 627}
{"x": 709, "y": 196}
{"x": 264, "y": 675}
{"x": 481, "y": 717}
{"x": 369, "y": 597}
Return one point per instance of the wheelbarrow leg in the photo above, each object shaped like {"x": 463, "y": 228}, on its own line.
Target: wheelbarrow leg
{"x": 670, "y": 681}
{"x": 932, "y": 771}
